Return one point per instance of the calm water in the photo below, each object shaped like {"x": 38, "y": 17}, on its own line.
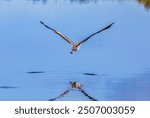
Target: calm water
{"x": 36, "y": 64}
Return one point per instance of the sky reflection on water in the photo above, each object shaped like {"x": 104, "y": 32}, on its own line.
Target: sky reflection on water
{"x": 37, "y": 62}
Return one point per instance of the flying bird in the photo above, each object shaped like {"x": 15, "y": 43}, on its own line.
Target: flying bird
{"x": 75, "y": 46}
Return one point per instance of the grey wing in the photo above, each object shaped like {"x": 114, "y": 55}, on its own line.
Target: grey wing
{"x": 57, "y": 32}
{"x": 95, "y": 33}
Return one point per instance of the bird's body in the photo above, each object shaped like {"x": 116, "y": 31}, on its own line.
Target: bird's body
{"x": 75, "y": 46}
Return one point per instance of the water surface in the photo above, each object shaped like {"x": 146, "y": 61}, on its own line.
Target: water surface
{"x": 35, "y": 63}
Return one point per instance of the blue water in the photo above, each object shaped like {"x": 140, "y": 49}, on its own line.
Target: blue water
{"x": 36, "y": 64}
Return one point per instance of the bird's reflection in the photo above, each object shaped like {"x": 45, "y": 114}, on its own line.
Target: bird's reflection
{"x": 74, "y": 86}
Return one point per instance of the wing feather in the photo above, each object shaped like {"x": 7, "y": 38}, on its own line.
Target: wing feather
{"x": 59, "y": 33}
{"x": 95, "y": 34}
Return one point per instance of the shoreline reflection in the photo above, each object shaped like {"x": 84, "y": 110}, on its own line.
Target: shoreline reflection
{"x": 146, "y": 3}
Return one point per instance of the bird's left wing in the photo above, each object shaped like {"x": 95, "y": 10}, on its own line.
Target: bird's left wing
{"x": 95, "y": 34}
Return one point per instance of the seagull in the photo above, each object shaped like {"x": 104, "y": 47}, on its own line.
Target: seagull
{"x": 75, "y": 46}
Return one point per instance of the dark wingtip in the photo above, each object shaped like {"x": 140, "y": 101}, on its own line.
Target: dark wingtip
{"x": 111, "y": 24}
{"x": 108, "y": 26}
{"x": 41, "y": 22}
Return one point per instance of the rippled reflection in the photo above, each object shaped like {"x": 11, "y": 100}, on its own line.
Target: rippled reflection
{"x": 145, "y": 2}
{"x": 35, "y": 1}
{"x": 84, "y": 1}
{"x": 77, "y": 1}
{"x": 7, "y": 87}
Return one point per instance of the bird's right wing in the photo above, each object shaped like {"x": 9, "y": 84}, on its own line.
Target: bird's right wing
{"x": 57, "y": 32}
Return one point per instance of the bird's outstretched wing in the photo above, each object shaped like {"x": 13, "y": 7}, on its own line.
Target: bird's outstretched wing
{"x": 95, "y": 34}
{"x": 57, "y": 32}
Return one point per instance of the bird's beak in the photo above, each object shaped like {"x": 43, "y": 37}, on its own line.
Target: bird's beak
{"x": 71, "y": 52}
